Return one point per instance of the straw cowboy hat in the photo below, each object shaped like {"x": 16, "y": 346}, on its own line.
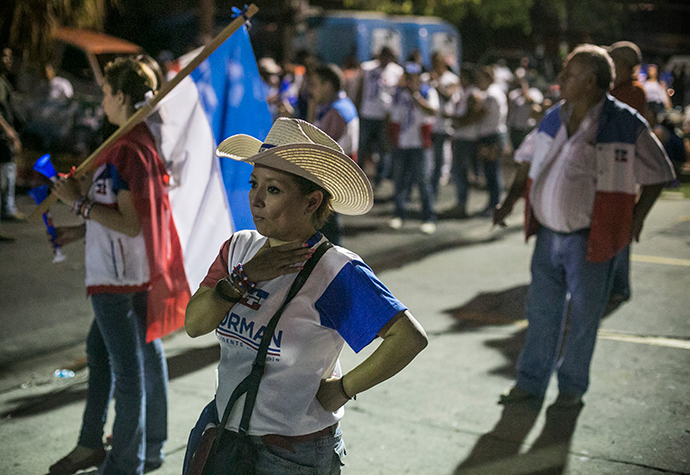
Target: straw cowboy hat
{"x": 296, "y": 146}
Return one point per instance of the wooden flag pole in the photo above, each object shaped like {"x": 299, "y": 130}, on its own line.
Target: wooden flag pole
{"x": 146, "y": 109}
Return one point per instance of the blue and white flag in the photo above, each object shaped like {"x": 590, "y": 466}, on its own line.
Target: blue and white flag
{"x": 223, "y": 96}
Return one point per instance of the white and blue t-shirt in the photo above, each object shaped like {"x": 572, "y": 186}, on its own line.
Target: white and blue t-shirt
{"x": 342, "y": 301}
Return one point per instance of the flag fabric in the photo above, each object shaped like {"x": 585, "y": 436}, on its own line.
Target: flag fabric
{"x": 209, "y": 196}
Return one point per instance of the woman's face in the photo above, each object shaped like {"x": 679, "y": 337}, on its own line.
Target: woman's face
{"x": 112, "y": 104}
{"x": 279, "y": 208}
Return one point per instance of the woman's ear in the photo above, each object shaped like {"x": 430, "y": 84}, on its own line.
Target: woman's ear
{"x": 314, "y": 200}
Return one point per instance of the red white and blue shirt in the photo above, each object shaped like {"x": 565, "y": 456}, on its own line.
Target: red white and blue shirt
{"x": 590, "y": 180}
{"x": 411, "y": 125}
{"x": 339, "y": 119}
{"x": 342, "y": 301}
{"x": 152, "y": 260}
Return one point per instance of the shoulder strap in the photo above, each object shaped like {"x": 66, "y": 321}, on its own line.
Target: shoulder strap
{"x": 250, "y": 384}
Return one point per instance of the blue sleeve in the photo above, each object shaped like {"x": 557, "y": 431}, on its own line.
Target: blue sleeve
{"x": 357, "y": 305}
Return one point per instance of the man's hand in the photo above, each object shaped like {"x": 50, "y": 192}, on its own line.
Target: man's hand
{"x": 272, "y": 262}
{"x": 636, "y": 228}
{"x": 501, "y": 212}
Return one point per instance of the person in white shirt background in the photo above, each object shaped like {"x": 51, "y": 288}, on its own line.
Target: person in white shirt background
{"x": 412, "y": 117}
{"x": 447, "y": 85}
{"x": 379, "y": 79}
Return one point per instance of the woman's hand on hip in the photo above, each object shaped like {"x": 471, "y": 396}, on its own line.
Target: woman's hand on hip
{"x": 329, "y": 395}
{"x": 272, "y": 262}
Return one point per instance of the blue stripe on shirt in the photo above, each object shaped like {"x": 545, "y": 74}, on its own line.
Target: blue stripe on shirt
{"x": 357, "y": 305}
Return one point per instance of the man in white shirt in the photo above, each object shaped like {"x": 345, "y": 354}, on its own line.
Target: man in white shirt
{"x": 581, "y": 168}
{"x": 491, "y": 131}
{"x": 447, "y": 85}
{"x": 412, "y": 115}
{"x": 379, "y": 79}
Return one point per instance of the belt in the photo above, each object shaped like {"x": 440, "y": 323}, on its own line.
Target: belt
{"x": 286, "y": 441}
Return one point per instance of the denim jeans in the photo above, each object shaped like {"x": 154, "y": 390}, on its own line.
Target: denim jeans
{"x": 559, "y": 269}
{"x": 322, "y": 456}
{"x": 438, "y": 142}
{"x": 373, "y": 135}
{"x": 621, "y": 275}
{"x": 9, "y": 181}
{"x": 123, "y": 365}
{"x": 463, "y": 156}
{"x": 410, "y": 167}
{"x": 492, "y": 167}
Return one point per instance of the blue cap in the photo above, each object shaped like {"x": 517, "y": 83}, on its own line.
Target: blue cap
{"x": 413, "y": 68}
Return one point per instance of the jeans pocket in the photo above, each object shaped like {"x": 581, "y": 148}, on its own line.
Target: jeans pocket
{"x": 339, "y": 453}
{"x": 277, "y": 460}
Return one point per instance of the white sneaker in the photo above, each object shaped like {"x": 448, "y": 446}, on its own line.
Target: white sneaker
{"x": 395, "y": 223}
{"x": 428, "y": 227}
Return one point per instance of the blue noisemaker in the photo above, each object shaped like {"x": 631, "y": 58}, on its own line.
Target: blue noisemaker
{"x": 39, "y": 194}
{"x": 45, "y": 167}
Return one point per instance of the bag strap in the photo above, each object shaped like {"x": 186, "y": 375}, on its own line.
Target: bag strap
{"x": 250, "y": 384}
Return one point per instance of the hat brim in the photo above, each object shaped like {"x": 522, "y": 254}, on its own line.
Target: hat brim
{"x": 337, "y": 173}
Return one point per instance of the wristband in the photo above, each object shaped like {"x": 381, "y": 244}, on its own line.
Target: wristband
{"x": 78, "y": 204}
{"x": 86, "y": 209}
{"x": 224, "y": 289}
{"x": 342, "y": 390}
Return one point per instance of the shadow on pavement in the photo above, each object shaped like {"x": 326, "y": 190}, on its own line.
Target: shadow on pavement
{"x": 188, "y": 361}
{"x": 504, "y": 307}
{"x": 498, "y": 451}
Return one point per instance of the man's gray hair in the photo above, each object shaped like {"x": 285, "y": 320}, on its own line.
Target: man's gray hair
{"x": 599, "y": 61}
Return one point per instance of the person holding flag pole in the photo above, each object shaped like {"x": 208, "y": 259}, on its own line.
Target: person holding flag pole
{"x": 135, "y": 271}
{"x": 134, "y": 275}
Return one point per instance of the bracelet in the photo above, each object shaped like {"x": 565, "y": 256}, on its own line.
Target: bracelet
{"x": 82, "y": 207}
{"x": 220, "y": 290}
{"x": 86, "y": 209}
{"x": 239, "y": 278}
{"x": 78, "y": 204}
{"x": 342, "y": 390}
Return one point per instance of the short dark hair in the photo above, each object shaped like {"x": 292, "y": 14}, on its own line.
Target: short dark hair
{"x": 307, "y": 187}
{"x": 132, "y": 77}
{"x": 332, "y": 74}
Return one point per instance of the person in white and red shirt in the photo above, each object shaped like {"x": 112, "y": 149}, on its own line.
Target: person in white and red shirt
{"x": 447, "y": 85}
{"x": 581, "y": 169}
{"x": 300, "y": 174}
{"x": 136, "y": 281}
{"x": 412, "y": 118}
{"x": 380, "y": 76}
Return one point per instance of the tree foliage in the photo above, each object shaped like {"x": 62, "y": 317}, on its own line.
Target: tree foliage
{"x": 25, "y": 25}
{"x": 574, "y": 16}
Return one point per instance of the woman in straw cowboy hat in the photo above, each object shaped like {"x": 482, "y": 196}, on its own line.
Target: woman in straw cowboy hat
{"x": 300, "y": 174}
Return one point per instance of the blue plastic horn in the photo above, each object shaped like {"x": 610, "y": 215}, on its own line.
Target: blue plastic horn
{"x": 39, "y": 194}
{"x": 44, "y": 166}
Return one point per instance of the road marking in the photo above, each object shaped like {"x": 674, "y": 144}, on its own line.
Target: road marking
{"x": 643, "y": 340}
{"x": 660, "y": 260}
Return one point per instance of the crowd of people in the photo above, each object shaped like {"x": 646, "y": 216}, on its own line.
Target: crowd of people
{"x": 590, "y": 164}
{"x": 424, "y": 128}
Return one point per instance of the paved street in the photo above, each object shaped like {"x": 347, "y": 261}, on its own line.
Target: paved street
{"x": 466, "y": 285}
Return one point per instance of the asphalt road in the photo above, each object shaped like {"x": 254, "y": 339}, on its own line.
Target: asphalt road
{"x": 466, "y": 285}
